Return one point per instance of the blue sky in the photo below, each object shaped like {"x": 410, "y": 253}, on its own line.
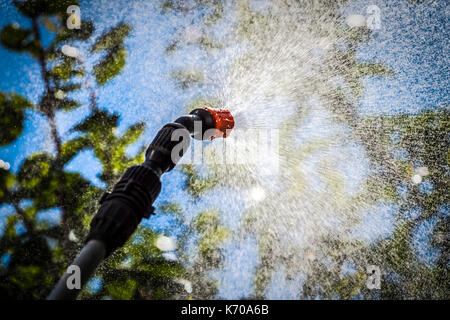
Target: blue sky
{"x": 413, "y": 41}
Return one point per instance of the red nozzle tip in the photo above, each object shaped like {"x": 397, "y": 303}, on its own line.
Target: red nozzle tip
{"x": 224, "y": 122}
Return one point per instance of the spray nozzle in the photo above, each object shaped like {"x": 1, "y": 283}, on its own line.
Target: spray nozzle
{"x": 216, "y": 123}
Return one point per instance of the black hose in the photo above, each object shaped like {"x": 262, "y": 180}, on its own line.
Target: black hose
{"x": 122, "y": 210}
{"x": 85, "y": 264}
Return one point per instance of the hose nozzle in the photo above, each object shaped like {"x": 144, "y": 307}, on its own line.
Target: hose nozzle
{"x": 216, "y": 123}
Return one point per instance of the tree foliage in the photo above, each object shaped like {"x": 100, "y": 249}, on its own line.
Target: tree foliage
{"x": 423, "y": 137}
{"x": 37, "y": 249}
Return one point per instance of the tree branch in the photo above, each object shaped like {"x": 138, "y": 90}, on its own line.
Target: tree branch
{"x": 50, "y": 113}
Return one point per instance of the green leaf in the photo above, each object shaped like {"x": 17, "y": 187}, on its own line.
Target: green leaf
{"x": 195, "y": 184}
{"x": 72, "y": 147}
{"x": 172, "y": 47}
{"x": 6, "y": 181}
{"x": 441, "y": 233}
{"x": 169, "y": 5}
{"x": 374, "y": 69}
{"x": 210, "y": 43}
{"x": 74, "y": 186}
{"x": 12, "y": 116}
{"x": 84, "y": 33}
{"x": 67, "y": 104}
{"x": 212, "y": 235}
{"x": 111, "y": 65}
{"x": 99, "y": 121}
{"x": 170, "y": 207}
{"x": 250, "y": 23}
{"x": 212, "y": 240}
{"x": 11, "y": 222}
{"x": 34, "y": 8}
{"x": 50, "y": 102}
{"x": 122, "y": 289}
{"x": 350, "y": 285}
{"x": 34, "y": 170}
{"x": 71, "y": 87}
{"x": 132, "y": 134}
{"x": 187, "y": 78}
{"x": 217, "y": 13}
{"x": 15, "y": 38}
{"x": 207, "y": 220}
{"x": 112, "y": 38}
{"x": 65, "y": 70}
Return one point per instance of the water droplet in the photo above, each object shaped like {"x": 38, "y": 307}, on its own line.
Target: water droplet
{"x": 70, "y": 51}
{"x": 72, "y": 236}
{"x": 355, "y": 20}
{"x": 164, "y": 243}
{"x": 4, "y": 165}
{"x": 60, "y": 94}
{"x": 422, "y": 171}
{"x": 416, "y": 179}
{"x": 187, "y": 285}
{"x": 257, "y": 193}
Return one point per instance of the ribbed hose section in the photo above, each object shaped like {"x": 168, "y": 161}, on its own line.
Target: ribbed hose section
{"x": 122, "y": 210}
{"x": 141, "y": 184}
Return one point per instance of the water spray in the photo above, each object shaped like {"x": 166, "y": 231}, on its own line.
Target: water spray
{"x": 133, "y": 196}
